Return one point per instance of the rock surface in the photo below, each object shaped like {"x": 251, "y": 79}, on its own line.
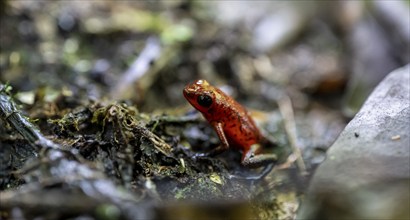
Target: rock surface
{"x": 368, "y": 167}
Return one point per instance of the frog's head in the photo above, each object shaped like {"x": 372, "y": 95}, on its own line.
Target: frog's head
{"x": 200, "y": 94}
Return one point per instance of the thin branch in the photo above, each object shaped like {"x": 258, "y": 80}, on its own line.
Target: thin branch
{"x": 10, "y": 114}
{"x": 139, "y": 68}
{"x": 286, "y": 109}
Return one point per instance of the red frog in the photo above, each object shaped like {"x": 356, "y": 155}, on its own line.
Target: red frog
{"x": 231, "y": 121}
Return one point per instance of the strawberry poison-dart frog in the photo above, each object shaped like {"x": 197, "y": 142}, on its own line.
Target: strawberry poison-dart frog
{"x": 231, "y": 121}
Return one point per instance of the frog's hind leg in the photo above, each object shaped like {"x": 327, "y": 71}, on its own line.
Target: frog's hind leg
{"x": 252, "y": 159}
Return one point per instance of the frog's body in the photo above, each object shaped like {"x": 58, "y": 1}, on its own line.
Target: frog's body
{"x": 231, "y": 121}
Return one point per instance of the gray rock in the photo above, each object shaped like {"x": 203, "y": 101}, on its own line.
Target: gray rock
{"x": 368, "y": 167}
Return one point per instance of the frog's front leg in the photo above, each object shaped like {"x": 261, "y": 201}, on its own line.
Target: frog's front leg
{"x": 218, "y": 127}
{"x": 252, "y": 160}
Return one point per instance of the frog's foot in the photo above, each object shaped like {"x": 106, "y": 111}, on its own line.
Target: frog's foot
{"x": 258, "y": 176}
{"x": 251, "y": 159}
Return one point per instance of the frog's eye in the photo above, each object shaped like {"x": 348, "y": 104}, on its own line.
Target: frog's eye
{"x": 204, "y": 100}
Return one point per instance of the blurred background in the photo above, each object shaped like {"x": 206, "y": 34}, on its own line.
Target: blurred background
{"x": 336, "y": 51}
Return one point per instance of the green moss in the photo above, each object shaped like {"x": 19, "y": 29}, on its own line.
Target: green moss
{"x": 202, "y": 188}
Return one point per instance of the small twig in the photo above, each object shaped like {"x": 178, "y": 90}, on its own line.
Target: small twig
{"x": 10, "y": 114}
{"x": 289, "y": 161}
{"x": 139, "y": 68}
{"x": 285, "y": 108}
